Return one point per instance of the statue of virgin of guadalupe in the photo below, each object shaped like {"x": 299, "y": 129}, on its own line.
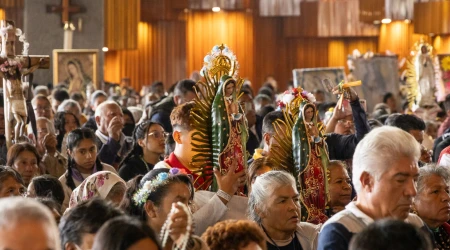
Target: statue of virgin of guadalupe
{"x": 229, "y": 128}
{"x": 311, "y": 159}
{"x": 425, "y": 75}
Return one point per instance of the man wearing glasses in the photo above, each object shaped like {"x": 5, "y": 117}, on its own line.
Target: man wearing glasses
{"x": 42, "y": 107}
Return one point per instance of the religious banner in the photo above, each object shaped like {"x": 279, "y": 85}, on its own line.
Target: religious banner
{"x": 379, "y": 75}
{"x": 279, "y": 7}
{"x": 310, "y": 79}
{"x": 76, "y": 69}
{"x": 399, "y": 9}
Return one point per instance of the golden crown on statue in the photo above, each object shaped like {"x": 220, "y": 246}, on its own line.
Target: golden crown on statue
{"x": 220, "y": 61}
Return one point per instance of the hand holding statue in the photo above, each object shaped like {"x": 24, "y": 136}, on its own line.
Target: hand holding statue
{"x": 349, "y": 93}
{"x": 231, "y": 181}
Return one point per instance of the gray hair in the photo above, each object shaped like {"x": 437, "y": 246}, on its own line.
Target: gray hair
{"x": 263, "y": 188}
{"x": 14, "y": 210}
{"x": 39, "y": 97}
{"x": 39, "y": 89}
{"x": 69, "y": 103}
{"x": 376, "y": 152}
{"x": 50, "y": 126}
{"x": 101, "y": 108}
{"x": 429, "y": 170}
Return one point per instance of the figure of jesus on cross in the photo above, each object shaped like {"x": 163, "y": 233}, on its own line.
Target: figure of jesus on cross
{"x": 13, "y": 70}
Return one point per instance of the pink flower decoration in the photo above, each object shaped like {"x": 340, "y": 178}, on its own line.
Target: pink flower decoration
{"x": 100, "y": 180}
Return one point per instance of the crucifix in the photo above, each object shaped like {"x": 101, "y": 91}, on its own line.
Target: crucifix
{"x": 15, "y": 70}
{"x": 66, "y": 9}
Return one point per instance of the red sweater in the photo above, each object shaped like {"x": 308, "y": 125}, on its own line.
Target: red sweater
{"x": 199, "y": 182}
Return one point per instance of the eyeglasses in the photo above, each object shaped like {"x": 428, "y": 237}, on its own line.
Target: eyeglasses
{"x": 346, "y": 122}
{"x": 46, "y": 109}
{"x": 159, "y": 134}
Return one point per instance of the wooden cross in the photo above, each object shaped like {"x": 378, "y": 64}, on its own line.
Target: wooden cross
{"x": 65, "y": 9}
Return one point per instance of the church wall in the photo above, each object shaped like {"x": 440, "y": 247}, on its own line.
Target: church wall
{"x": 170, "y": 49}
{"x": 206, "y": 29}
{"x": 45, "y": 31}
{"x": 160, "y": 56}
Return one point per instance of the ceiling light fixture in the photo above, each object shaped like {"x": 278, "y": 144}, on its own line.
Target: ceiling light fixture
{"x": 215, "y": 9}
{"x": 386, "y": 21}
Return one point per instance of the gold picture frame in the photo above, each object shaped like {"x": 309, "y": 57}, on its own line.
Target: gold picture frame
{"x": 81, "y": 63}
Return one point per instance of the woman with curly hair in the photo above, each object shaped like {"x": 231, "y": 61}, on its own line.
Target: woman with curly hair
{"x": 235, "y": 235}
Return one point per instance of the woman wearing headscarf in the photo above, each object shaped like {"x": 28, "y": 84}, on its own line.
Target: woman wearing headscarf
{"x": 105, "y": 184}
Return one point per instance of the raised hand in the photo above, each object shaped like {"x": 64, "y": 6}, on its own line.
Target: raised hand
{"x": 352, "y": 93}
{"x": 115, "y": 128}
{"x": 231, "y": 181}
{"x": 338, "y": 113}
{"x": 50, "y": 142}
{"x": 179, "y": 224}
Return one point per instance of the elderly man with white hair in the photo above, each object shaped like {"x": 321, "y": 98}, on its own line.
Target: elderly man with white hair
{"x": 112, "y": 144}
{"x": 274, "y": 204}
{"x": 25, "y": 224}
{"x": 385, "y": 172}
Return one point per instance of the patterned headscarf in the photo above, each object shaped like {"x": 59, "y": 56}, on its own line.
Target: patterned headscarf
{"x": 98, "y": 184}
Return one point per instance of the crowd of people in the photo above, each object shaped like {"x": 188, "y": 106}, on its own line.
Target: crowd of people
{"x": 111, "y": 171}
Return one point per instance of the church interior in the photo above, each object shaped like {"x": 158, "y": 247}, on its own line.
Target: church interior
{"x": 225, "y": 124}
{"x": 167, "y": 40}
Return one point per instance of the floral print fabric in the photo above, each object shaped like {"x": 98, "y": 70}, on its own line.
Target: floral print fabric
{"x": 98, "y": 184}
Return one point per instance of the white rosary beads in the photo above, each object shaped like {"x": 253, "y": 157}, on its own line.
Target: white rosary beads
{"x": 183, "y": 240}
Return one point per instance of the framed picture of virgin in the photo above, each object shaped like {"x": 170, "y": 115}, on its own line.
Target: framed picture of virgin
{"x": 77, "y": 69}
{"x": 310, "y": 79}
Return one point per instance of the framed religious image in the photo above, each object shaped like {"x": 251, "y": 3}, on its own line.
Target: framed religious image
{"x": 75, "y": 68}
{"x": 379, "y": 75}
{"x": 311, "y": 79}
